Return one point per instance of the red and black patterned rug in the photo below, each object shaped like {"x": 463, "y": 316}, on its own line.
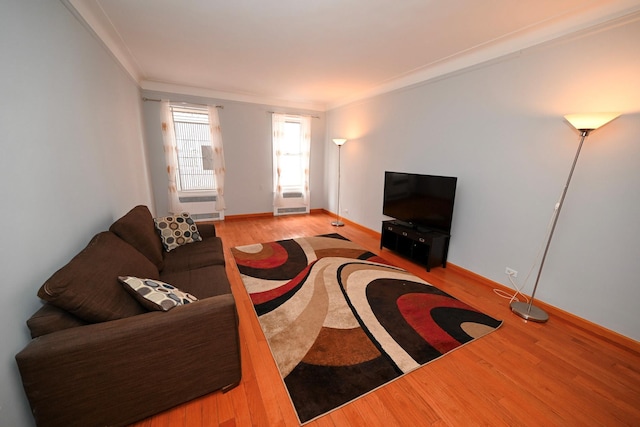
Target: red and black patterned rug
{"x": 341, "y": 321}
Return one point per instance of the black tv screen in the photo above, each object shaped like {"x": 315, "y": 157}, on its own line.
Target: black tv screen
{"x": 421, "y": 201}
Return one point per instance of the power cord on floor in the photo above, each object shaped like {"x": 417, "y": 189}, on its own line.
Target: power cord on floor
{"x": 518, "y": 289}
{"x": 514, "y": 296}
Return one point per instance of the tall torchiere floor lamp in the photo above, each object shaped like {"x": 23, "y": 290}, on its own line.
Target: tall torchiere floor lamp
{"x": 584, "y": 123}
{"x": 339, "y": 142}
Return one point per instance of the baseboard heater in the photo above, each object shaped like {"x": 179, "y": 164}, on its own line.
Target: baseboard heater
{"x": 285, "y": 211}
{"x": 213, "y": 216}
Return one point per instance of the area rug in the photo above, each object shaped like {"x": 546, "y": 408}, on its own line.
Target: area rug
{"x": 341, "y": 321}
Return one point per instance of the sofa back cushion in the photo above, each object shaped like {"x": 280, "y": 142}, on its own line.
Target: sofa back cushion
{"x": 88, "y": 285}
{"x": 138, "y": 229}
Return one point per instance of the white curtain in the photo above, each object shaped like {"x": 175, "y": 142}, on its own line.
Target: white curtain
{"x": 306, "y": 154}
{"x": 218, "y": 157}
{"x": 171, "y": 157}
{"x": 278, "y": 126}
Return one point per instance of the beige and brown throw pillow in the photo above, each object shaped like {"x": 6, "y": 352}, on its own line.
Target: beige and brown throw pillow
{"x": 177, "y": 230}
{"x": 155, "y": 294}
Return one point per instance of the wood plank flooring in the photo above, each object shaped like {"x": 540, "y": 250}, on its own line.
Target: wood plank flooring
{"x": 562, "y": 373}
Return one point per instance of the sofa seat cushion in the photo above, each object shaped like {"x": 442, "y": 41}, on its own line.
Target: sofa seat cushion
{"x": 50, "y": 318}
{"x": 156, "y": 294}
{"x": 88, "y": 285}
{"x": 138, "y": 229}
{"x": 202, "y": 282}
{"x": 195, "y": 255}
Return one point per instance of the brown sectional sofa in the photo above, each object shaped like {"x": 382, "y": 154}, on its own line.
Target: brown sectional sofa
{"x": 99, "y": 358}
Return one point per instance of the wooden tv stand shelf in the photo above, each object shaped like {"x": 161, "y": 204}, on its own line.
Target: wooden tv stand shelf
{"x": 425, "y": 247}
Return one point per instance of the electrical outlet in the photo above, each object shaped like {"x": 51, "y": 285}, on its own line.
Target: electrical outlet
{"x": 510, "y": 272}
{"x": 346, "y": 211}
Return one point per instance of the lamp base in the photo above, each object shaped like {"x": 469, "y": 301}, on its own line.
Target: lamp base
{"x": 337, "y": 223}
{"x": 529, "y": 312}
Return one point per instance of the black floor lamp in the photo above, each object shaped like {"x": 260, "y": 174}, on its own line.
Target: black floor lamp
{"x": 339, "y": 142}
{"x": 584, "y": 123}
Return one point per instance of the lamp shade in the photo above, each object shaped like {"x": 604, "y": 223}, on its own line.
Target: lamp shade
{"x": 339, "y": 141}
{"x": 590, "y": 121}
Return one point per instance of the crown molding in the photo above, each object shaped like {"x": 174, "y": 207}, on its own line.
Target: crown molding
{"x": 93, "y": 18}
{"x": 229, "y": 96}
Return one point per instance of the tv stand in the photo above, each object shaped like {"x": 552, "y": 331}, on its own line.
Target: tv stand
{"x": 425, "y": 247}
{"x": 403, "y": 224}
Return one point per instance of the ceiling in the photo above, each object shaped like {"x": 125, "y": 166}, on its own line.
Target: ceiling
{"x": 321, "y": 54}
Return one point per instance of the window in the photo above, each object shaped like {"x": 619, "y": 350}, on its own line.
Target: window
{"x": 292, "y": 170}
{"x": 291, "y": 146}
{"x": 194, "y": 149}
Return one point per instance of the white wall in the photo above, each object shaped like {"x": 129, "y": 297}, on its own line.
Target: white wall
{"x": 500, "y": 129}
{"x": 72, "y": 161}
{"x": 246, "y": 135}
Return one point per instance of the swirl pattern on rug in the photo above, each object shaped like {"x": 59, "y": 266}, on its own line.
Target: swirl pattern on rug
{"x": 341, "y": 321}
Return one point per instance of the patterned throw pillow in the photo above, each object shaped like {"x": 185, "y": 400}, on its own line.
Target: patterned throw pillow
{"x": 177, "y": 230}
{"x": 154, "y": 294}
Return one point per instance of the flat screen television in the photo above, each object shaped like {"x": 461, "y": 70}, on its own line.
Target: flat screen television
{"x": 424, "y": 202}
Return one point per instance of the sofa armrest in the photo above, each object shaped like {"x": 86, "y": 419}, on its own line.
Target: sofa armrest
{"x": 206, "y": 230}
{"x": 118, "y": 372}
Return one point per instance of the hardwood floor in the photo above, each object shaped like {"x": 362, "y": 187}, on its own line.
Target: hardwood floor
{"x": 561, "y": 373}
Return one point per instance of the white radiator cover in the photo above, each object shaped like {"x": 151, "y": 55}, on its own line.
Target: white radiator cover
{"x": 201, "y": 208}
{"x": 292, "y": 203}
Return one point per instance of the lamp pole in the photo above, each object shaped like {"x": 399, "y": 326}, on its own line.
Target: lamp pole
{"x": 339, "y": 142}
